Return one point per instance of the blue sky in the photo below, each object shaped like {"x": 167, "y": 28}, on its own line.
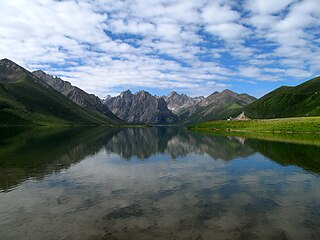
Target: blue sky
{"x": 191, "y": 46}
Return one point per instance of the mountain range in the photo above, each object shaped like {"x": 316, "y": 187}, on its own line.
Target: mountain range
{"x": 140, "y": 108}
{"x": 77, "y": 95}
{"x": 218, "y": 105}
{"x": 25, "y": 99}
{"x": 179, "y": 102}
{"x": 38, "y": 98}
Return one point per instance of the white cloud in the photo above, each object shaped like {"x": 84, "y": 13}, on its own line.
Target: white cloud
{"x": 262, "y": 21}
{"x": 214, "y": 13}
{"x": 301, "y": 15}
{"x": 168, "y": 30}
{"x": 106, "y": 45}
{"x": 134, "y": 27}
{"x": 293, "y": 33}
{"x": 252, "y": 72}
{"x": 267, "y": 6}
{"x": 228, "y": 31}
{"x": 300, "y": 73}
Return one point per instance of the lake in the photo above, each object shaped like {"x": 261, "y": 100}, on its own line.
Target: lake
{"x": 156, "y": 183}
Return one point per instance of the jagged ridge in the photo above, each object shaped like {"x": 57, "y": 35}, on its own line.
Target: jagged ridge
{"x": 178, "y": 102}
{"x": 141, "y": 107}
{"x": 77, "y": 95}
{"x": 27, "y": 100}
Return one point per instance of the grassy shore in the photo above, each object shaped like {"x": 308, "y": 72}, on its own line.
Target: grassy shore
{"x": 280, "y": 125}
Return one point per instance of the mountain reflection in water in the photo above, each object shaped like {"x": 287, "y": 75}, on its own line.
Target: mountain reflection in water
{"x": 91, "y": 183}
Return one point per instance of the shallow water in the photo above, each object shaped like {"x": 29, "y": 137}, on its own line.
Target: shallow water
{"x": 155, "y": 183}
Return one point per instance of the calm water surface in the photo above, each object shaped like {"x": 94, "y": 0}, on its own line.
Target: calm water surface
{"x": 155, "y": 183}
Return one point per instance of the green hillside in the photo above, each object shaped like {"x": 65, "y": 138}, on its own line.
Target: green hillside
{"x": 279, "y": 125}
{"x": 217, "y": 106}
{"x": 300, "y": 101}
{"x": 26, "y": 100}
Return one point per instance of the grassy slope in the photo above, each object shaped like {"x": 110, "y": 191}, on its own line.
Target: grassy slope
{"x": 230, "y": 109}
{"x": 216, "y": 110}
{"x": 283, "y": 125}
{"x": 300, "y": 101}
{"x": 24, "y": 102}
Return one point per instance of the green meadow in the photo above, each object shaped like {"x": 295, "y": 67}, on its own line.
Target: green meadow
{"x": 279, "y": 125}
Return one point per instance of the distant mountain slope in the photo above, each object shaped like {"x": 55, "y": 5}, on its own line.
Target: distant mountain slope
{"x": 140, "y": 107}
{"x": 302, "y": 100}
{"x": 27, "y": 100}
{"x": 77, "y": 95}
{"x": 177, "y": 102}
{"x": 216, "y": 106}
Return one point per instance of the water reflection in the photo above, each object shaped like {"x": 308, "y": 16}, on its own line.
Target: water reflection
{"x": 305, "y": 156}
{"x": 92, "y": 184}
{"x": 176, "y": 142}
{"x": 34, "y": 152}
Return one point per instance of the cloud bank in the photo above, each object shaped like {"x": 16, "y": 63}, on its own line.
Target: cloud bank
{"x": 195, "y": 46}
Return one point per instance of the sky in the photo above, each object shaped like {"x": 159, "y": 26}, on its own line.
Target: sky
{"x": 189, "y": 46}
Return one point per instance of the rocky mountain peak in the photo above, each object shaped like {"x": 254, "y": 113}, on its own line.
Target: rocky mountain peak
{"x": 228, "y": 92}
{"x": 173, "y": 93}
{"x": 126, "y": 93}
{"x": 57, "y": 83}
{"x": 218, "y": 105}
{"x": 215, "y": 92}
{"x": 107, "y": 97}
{"x": 7, "y": 64}
{"x": 12, "y": 72}
{"x": 143, "y": 93}
{"x": 38, "y": 72}
{"x": 7, "y": 61}
{"x": 176, "y": 102}
{"x": 141, "y": 107}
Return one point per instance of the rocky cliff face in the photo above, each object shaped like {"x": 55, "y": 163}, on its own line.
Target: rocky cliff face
{"x": 140, "y": 107}
{"x": 76, "y": 94}
{"x": 177, "y": 102}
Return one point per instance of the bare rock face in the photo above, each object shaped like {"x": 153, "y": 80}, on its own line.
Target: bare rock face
{"x": 76, "y": 94}
{"x": 177, "y": 102}
{"x": 141, "y": 107}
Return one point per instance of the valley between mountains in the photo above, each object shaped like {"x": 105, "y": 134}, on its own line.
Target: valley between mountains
{"x": 37, "y": 98}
